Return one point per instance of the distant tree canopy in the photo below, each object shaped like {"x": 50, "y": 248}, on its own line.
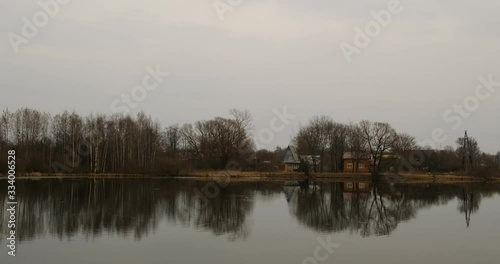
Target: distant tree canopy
{"x": 388, "y": 149}
{"x": 70, "y": 143}
{"x": 324, "y": 137}
{"x": 214, "y": 143}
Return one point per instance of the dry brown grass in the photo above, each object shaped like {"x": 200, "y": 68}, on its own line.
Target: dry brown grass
{"x": 281, "y": 175}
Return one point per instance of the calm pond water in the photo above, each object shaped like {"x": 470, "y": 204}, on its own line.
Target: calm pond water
{"x": 192, "y": 221}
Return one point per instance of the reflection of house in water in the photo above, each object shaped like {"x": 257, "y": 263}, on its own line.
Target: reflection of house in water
{"x": 351, "y": 190}
{"x": 356, "y": 186}
{"x": 312, "y": 160}
{"x": 290, "y": 192}
{"x": 291, "y": 189}
{"x": 354, "y": 190}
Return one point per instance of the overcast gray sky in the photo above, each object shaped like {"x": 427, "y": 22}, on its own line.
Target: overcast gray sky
{"x": 263, "y": 55}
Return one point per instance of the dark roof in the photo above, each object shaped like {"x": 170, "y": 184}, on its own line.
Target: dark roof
{"x": 356, "y": 155}
{"x": 291, "y": 155}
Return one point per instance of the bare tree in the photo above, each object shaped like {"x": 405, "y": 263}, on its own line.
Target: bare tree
{"x": 214, "y": 143}
{"x": 5, "y": 127}
{"x": 357, "y": 144}
{"x": 313, "y": 139}
{"x": 381, "y": 138}
{"x": 172, "y": 136}
{"x": 404, "y": 150}
{"x": 470, "y": 152}
{"x": 337, "y": 143}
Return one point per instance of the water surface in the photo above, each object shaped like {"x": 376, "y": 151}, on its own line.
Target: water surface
{"x": 193, "y": 221}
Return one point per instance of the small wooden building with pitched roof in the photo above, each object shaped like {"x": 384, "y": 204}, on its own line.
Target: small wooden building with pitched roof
{"x": 291, "y": 159}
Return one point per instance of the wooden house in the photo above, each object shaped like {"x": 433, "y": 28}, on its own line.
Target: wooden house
{"x": 291, "y": 159}
{"x": 357, "y": 162}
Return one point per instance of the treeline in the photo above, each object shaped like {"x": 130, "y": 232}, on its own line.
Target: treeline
{"x": 97, "y": 143}
{"x": 389, "y": 150}
{"x": 71, "y": 143}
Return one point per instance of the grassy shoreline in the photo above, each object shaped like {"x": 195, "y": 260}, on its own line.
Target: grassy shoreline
{"x": 271, "y": 176}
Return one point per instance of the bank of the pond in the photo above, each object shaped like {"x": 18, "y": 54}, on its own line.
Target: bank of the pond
{"x": 396, "y": 178}
{"x": 264, "y": 176}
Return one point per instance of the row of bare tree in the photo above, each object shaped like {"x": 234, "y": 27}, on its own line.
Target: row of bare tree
{"x": 330, "y": 140}
{"x": 387, "y": 148}
{"x": 220, "y": 143}
{"x": 70, "y": 143}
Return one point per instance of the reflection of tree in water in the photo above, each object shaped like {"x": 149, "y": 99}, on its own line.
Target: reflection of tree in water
{"x": 317, "y": 207}
{"x": 386, "y": 212}
{"x": 91, "y": 207}
{"x": 226, "y": 213}
{"x": 325, "y": 207}
{"x": 65, "y": 208}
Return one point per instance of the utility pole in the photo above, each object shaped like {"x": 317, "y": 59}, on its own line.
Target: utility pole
{"x": 465, "y": 152}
